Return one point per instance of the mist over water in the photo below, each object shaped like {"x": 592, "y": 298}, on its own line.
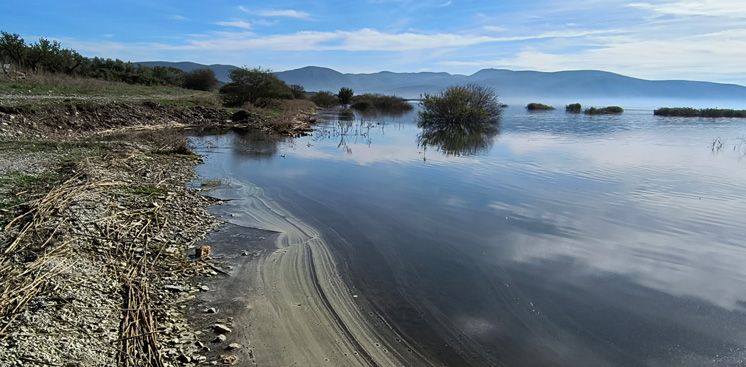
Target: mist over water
{"x": 554, "y": 240}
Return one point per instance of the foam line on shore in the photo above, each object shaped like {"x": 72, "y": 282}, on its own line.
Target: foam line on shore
{"x": 298, "y": 307}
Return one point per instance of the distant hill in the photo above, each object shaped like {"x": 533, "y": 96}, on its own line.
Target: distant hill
{"x": 585, "y": 86}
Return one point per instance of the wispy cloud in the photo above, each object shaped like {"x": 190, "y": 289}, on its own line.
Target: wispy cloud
{"x": 446, "y": 4}
{"x": 236, "y": 23}
{"x": 179, "y": 17}
{"x": 713, "y": 8}
{"x": 359, "y": 40}
{"x": 714, "y": 56}
{"x": 288, "y": 13}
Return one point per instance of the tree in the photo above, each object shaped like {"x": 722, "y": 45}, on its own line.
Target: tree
{"x": 324, "y": 99}
{"x": 345, "y": 95}
{"x": 13, "y": 47}
{"x": 250, "y": 85}
{"x": 298, "y": 91}
{"x": 200, "y": 79}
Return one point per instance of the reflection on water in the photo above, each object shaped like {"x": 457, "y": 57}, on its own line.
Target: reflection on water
{"x": 570, "y": 240}
{"x": 458, "y": 139}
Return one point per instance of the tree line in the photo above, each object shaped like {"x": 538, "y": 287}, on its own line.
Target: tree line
{"x": 48, "y": 56}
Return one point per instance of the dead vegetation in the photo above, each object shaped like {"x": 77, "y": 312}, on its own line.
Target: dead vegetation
{"x": 94, "y": 255}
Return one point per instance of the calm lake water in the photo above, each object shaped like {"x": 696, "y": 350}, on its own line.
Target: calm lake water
{"x": 556, "y": 240}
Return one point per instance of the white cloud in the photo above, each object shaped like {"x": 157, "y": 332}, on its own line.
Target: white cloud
{"x": 284, "y": 13}
{"x": 179, "y": 17}
{"x": 713, "y": 8}
{"x": 446, "y": 4}
{"x": 359, "y": 40}
{"x": 236, "y": 23}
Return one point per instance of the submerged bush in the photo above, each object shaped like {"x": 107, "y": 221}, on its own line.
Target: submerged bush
{"x": 611, "y": 110}
{"x": 460, "y": 105}
{"x": 574, "y": 107}
{"x": 460, "y": 120}
{"x": 538, "y": 107}
{"x": 380, "y": 102}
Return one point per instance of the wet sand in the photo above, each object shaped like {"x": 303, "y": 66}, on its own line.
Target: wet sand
{"x": 288, "y": 300}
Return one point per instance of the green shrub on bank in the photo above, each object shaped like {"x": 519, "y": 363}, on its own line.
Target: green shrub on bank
{"x": 324, "y": 99}
{"x": 574, "y": 107}
{"x": 200, "y": 79}
{"x": 252, "y": 85}
{"x": 538, "y": 107}
{"x": 345, "y": 95}
{"x": 693, "y": 112}
{"x": 380, "y": 102}
{"x": 611, "y": 110}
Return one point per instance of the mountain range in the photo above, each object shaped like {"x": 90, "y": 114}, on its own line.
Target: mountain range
{"x": 586, "y": 86}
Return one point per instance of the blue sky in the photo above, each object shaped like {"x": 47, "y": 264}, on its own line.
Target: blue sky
{"x": 652, "y": 39}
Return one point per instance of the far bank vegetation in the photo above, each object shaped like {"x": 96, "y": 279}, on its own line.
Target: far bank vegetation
{"x": 693, "y": 112}
{"x": 574, "y": 108}
{"x": 539, "y": 107}
{"x": 610, "y": 110}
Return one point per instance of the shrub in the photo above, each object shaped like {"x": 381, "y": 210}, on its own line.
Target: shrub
{"x": 200, "y": 79}
{"x": 460, "y": 105}
{"x": 461, "y": 120}
{"x": 298, "y": 91}
{"x": 538, "y": 107}
{"x": 380, "y": 102}
{"x": 249, "y": 85}
{"x": 574, "y": 107}
{"x": 324, "y": 99}
{"x": 345, "y": 95}
{"x": 611, "y": 110}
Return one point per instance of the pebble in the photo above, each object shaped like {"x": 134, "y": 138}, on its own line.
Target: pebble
{"x": 211, "y": 310}
{"x": 173, "y": 288}
{"x": 221, "y": 329}
{"x": 204, "y": 288}
{"x": 219, "y": 339}
{"x": 233, "y": 346}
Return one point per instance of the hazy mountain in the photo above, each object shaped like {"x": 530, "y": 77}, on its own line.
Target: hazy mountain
{"x": 585, "y": 86}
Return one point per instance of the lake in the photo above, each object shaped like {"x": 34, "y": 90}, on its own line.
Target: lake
{"x": 552, "y": 240}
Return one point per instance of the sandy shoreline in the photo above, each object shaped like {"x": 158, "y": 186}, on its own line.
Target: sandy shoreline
{"x": 288, "y": 299}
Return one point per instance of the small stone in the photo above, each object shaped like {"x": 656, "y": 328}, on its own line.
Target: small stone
{"x": 228, "y": 359}
{"x": 184, "y": 358}
{"x": 233, "y": 346}
{"x": 219, "y": 339}
{"x": 245, "y": 253}
{"x": 202, "y": 251}
{"x": 221, "y": 329}
{"x": 204, "y": 288}
{"x": 173, "y": 288}
{"x": 211, "y": 310}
